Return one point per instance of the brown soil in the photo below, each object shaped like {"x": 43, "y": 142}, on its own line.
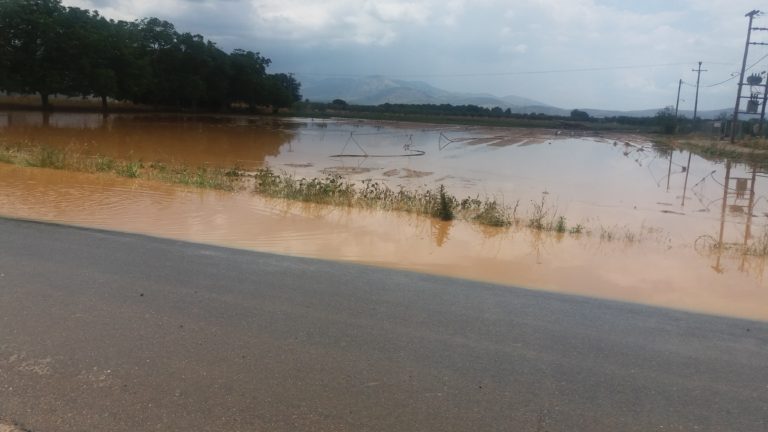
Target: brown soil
{"x": 6, "y": 426}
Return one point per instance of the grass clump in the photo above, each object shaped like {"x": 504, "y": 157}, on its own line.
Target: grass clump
{"x": 331, "y": 189}
{"x": 104, "y": 164}
{"x": 128, "y": 169}
{"x": 335, "y": 190}
{"x": 759, "y": 247}
{"x": 489, "y": 212}
{"x": 544, "y": 217}
{"x": 577, "y": 229}
{"x": 539, "y": 218}
{"x": 445, "y": 206}
{"x": 46, "y": 157}
{"x": 207, "y": 178}
{"x": 560, "y": 226}
{"x": 49, "y": 157}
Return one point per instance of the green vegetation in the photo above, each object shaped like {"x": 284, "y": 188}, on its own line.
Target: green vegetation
{"x": 544, "y": 217}
{"x": 490, "y": 212}
{"x": 47, "y": 48}
{"x": 560, "y": 225}
{"x": 470, "y": 115}
{"x": 445, "y": 207}
{"x": 331, "y": 190}
{"x": 336, "y": 190}
{"x": 46, "y": 157}
{"x": 752, "y": 150}
{"x": 53, "y": 158}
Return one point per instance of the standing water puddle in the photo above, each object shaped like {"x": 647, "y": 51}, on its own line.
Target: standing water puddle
{"x": 651, "y": 239}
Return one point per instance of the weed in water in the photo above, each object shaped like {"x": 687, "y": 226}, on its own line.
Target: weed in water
{"x": 538, "y": 214}
{"x": 561, "y": 226}
{"x": 544, "y": 217}
{"x": 493, "y": 214}
{"x": 369, "y": 194}
{"x": 104, "y": 164}
{"x": 7, "y": 155}
{"x": 46, "y": 157}
{"x": 578, "y": 229}
{"x": 129, "y": 169}
{"x": 759, "y": 247}
{"x": 445, "y": 210}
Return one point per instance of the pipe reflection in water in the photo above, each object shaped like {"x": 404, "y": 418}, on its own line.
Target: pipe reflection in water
{"x": 195, "y": 141}
{"x": 687, "y": 171}
{"x": 738, "y": 205}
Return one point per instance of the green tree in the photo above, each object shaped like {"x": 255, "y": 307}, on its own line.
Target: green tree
{"x": 247, "y": 80}
{"x": 34, "y": 47}
{"x": 666, "y": 121}
{"x": 283, "y": 90}
{"x": 47, "y": 48}
{"x": 579, "y": 115}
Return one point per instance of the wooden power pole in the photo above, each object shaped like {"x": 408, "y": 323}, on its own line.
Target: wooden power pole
{"x": 698, "y": 79}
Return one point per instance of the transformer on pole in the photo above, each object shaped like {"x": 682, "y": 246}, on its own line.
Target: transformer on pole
{"x": 754, "y": 81}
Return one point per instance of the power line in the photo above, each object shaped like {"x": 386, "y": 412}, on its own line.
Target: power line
{"x": 733, "y": 75}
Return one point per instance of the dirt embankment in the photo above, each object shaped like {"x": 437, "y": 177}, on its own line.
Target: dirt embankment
{"x": 747, "y": 149}
{"x": 8, "y": 426}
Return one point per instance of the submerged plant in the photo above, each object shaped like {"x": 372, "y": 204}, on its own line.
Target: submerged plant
{"x": 129, "y": 169}
{"x": 578, "y": 229}
{"x": 561, "y": 226}
{"x": 494, "y": 214}
{"x": 759, "y": 246}
{"x": 445, "y": 209}
{"x": 46, "y": 157}
{"x": 332, "y": 189}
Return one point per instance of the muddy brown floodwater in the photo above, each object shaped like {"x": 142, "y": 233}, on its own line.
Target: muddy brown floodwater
{"x": 652, "y": 215}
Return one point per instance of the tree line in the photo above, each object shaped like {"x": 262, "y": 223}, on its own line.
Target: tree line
{"x": 449, "y": 110}
{"x": 48, "y": 49}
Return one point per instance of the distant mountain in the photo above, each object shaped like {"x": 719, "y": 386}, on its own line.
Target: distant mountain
{"x": 377, "y": 90}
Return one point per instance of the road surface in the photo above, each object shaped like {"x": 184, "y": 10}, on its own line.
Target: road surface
{"x": 104, "y": 331}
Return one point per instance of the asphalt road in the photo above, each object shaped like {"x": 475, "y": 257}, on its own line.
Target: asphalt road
{"x": 103, "y": 331}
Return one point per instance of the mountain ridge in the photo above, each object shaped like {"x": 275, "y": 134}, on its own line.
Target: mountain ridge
{"x": 378, "y": 90}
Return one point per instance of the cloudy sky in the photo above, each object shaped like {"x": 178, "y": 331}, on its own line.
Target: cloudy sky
{"x": 611, "y": 54}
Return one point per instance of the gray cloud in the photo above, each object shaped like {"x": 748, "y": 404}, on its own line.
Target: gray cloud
{"x": 484, "y": 45}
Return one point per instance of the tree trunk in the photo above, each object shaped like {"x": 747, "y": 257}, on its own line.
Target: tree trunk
{"x": 104, "y": 104}
{"x": 45, "y": 102}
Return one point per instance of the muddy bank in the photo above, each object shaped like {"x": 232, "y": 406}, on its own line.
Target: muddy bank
{"x": 8, "y": 426}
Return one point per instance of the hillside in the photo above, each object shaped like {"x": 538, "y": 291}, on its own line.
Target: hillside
{"x": 377, "y": 90}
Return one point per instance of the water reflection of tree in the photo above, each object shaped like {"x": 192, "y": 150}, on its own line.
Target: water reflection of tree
{"x": 440, "y": 231}
{"x": 191, "y": 140}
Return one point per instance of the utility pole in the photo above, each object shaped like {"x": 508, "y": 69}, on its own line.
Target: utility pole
{"x": 735, "y": 122}
{"x": 677, "y": 104}
{"x": 698, "y": 79}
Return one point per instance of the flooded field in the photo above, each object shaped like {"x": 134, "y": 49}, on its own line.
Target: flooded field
{"x": 661, "y": 227}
